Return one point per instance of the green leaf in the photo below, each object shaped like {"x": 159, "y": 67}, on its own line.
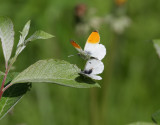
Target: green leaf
{"x": 156, "y": 44}
{"x": 6, "y": 36}
{"x": 55, "y": 71}
{"x": 23, "y": 35}
{"x": 24, "y": 32}
{"x": 142, "y": 123}
{"x": 12, "y": 95}
{"x": 156, "y": 117}
{"x": 39, "y": 35}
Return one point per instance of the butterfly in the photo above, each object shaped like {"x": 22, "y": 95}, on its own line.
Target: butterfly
{"x": 92, "y": 68}
{"x": 92, "y": 47}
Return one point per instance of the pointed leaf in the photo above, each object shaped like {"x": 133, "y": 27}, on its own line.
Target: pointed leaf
{"x": 12, "y": 95}
{"x": 156, "y": 117}
{"x": 6, "y": 36}
{"x": 39, "y": 35}
{"x": 23, "y": 35}
{"x": 156, "y": 44}
{"x": 24, "y": 32}
{"x": 55, "y": 71}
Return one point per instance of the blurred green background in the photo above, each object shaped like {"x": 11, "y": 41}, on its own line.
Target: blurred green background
{"x": 131, "y": 80}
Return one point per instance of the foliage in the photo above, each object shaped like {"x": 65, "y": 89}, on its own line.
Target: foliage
{"x": 55, "y": 71}
{"x": 6, "y": 36}
{"x": 156, "y": 117}
{"x": 12, "y": 95}
{"x": 130, "y": 86}
{"x": 156, "y": 44}
{"x": 45, "y": 71}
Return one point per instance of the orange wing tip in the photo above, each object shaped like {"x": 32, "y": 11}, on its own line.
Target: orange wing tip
{"x": 75, "y": 44}
{"x": 94, "y": 37}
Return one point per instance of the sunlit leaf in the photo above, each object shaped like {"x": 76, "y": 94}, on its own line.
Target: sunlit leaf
{"x": 12, "y": 95}
{"x": 23, "y": 35}
{"x": 55, "y": 71}
{"x": 39, "y": 35}
{"x": 156, "y": 117}
{"x": 142, "y": 123}
{"x": 157, "y": 46}
{"x": 6, "y": 36}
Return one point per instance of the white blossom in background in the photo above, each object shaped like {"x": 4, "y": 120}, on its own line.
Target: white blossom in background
{"x": 93, "y": 23}
{"x": 96, "y": 22}
{"x": 118, "y": 24}
{"x": 82, "y": 29}
{"x": 118, "y": 21}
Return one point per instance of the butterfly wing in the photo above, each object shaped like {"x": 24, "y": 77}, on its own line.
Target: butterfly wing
{"x": 94, "y": 38}
{"x": 93, "y": 48}
{"x": 76, "y": 46}
{"x": 94, "y": 66}
{"x": 81, "y": 53}
{"x": 92, "y": 76}
{"x": 97, "y": 51}
{"x": 95, "y": 77}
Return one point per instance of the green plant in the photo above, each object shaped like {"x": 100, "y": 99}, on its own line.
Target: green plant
{"x": 45, "y": 71}
{"x": 156, "y": 44}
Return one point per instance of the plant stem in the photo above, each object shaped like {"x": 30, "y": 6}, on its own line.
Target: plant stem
{"x": 6, "y": 87}
{"x": 5, "y": 76}
{"x": 4, "y": 80}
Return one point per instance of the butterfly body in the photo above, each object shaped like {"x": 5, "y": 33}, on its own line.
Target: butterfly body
{"x": 84, "y": 55}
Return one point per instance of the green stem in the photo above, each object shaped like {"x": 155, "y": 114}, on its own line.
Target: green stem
{"x": 4, "y": 80}
{"x": 5, "y": 77}
{"x": 6, "y": 87}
